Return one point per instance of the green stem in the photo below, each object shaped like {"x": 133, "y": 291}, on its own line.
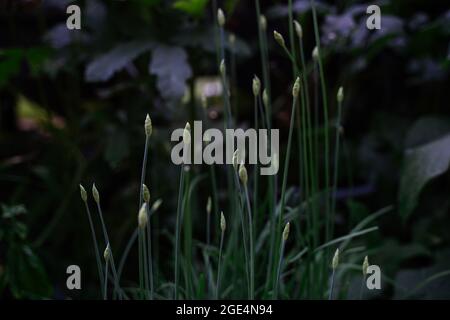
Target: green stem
{"x": 219, "y": 264}
{"x": 252, "y": 253}
{"x": 280, "y": 261}
{"x": 177, "y": 231}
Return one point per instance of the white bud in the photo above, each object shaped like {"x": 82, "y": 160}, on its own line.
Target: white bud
{"x": 187, "y": 134}
{"x": 263, "y": 22}
{"x": 222, "y": 68}
{"x": 315, "y": 54}
{"x": 145, "y": 193}
{"x": 232, "y": 39}
{"x": 243, "y": 174}
{"x": 107, "y": 253}
{"x": 95, "y": 193}
{"x": 142, "y": 216}
{"x": 296, "y": 87}
{"x": 156, "y": 205}
{"x": 298, "y": 29}
{"x": 365, "y": 266}
{"x": 148, "y": 126}
{"x": 265, "y": 98}
{"x": 340, "y": 95}
{"x": 335, "y": 261}
{"x": 286, "y": 231}
{"x": 83, "y": 193}
{"x": 235, "y": 159}
{"x": 223, "y": 223}
{"x": 208, "y": 205}
{"x": 256, "y": 86}
{"x": 279, "y": 38}
{"x": 220, "y": 17}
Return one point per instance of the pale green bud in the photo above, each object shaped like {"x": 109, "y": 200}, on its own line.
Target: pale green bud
{"x": 296, "y": 87}
{"x": 95, "y": 193}
{"x": 235, "y": 159}
{"x": 208, "y": 206}
{"x": 263, "y": 22}
{"x": 187, "y": 134}
{"x": 365, "y": 266}
{"x": 243, "y": 174}
{"x": 256, "y": 86}
{"x": 340, "y": 95}
{"x": 298, "y": 29}
{"x": 265, "y": 98}
{"x": 83, "y": 193}
{"x": 156, "y": 205}
{"x": 142, "y": 216}
{"x": 107, "y": 253}
{"x": 148, "y": 126}
{"x": 335, "y": 261}
{"x": 315, "y": 54}
{"x": 222, "y": 68}
{"x": 220, "y": 17}
{"x": 286, "y": 231}
{"x": 279, "y": 38}
{"x": 223, "y": 223}
{"x": 145, "y": 193}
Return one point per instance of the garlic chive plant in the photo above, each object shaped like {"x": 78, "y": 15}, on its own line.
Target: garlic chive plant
{"x": 223, "y": 226}
{"x": 284, "y": 238}
{"x": 334, "y": 265}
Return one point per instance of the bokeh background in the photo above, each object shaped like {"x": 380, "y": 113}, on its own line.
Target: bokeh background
{"x": 73, "y": 103}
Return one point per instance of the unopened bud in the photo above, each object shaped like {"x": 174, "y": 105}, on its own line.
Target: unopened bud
{"x": 315, "y": 54}
{"x": 235, "y": 159}
{"x": 222, "y": 68}
{"x": 365, "y": 266}
{"x": 148, "y": 126}
{"x": 208, "y": 205}
{"x": 156, "y": 205}
{"x": 220, "y": 17}
{"x": 263, "y": 22}
{"x": 256, "y": 85}
{"x": 298, "y": 29}
{"x": 286, "y": 231}
{"x": 107, "y": 253}
{"x": 223, "y": 223}
{"x": 95, "y": 193}
{"x": 142, "y": 216}
{"x": 83, "y": 193}
{"x": 279, "y": 38}
{"x": 265, "y": 98}
{"x": 335, "y": 262}
{"x": 145, "y": 193}
{"x": 296, "y": 87}
{"x": 340, "y": 95}
{"x": 243, "y": 174}
{"x": 187, "y": 134}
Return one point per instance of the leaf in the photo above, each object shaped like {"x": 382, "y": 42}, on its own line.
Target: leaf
{"x": 26, "y": 275}
{"x": 195, "y": 8}
{"x": 170, "y": 65}
{"x": 427, "y": 129}
{"x": 106, "y": 65}
{"x": 421, "y": 164}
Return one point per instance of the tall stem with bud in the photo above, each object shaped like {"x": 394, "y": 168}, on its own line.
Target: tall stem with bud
{"x": 223, "y": 226}
{"x": 284, "y": 238}
{"x": 334, "y": 266}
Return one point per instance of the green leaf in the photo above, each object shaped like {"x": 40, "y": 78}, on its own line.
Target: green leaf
{"x": 195, "y": 8}
{"x": 421, "y": 164}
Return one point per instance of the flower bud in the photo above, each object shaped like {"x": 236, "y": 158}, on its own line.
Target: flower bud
{"x": 335, "y": 262}
{"x": 223, "y": 223}
{"x": 95, "y": 193}
{"x": 83, "y": 193}
{"x": 275, "y": 162}
{"x": 365, "y": 266}
{"x": 298, "y": 29}
{"x": 315, "y": 54}
{"x": 279, "y": 38}
{"x": 156, "y": 205}
{"x": 145, "y": 193}
{"x": 340, "y": 95}
{"x": 204, "y": 102}
{"x": 263, "y": 22}
{"x": 148, "y": 126}
{"x": 296, "y": 87}
{"x": 232, "y": 39}
{"x": 235, "y": 159}
{"x": 187, "y": 134}
{"x": 265, "y": 98}
{"x": 256, "y": 85}
{"x": 208, "y": 205}
{"x": 243, "y": 174}
{"x": 222, "y": 68}
{"x": 286, "y": 231}
{"x": 107, "y": 253}
{"x": 220, "y": 17}
{"x": 142, "y": 216}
